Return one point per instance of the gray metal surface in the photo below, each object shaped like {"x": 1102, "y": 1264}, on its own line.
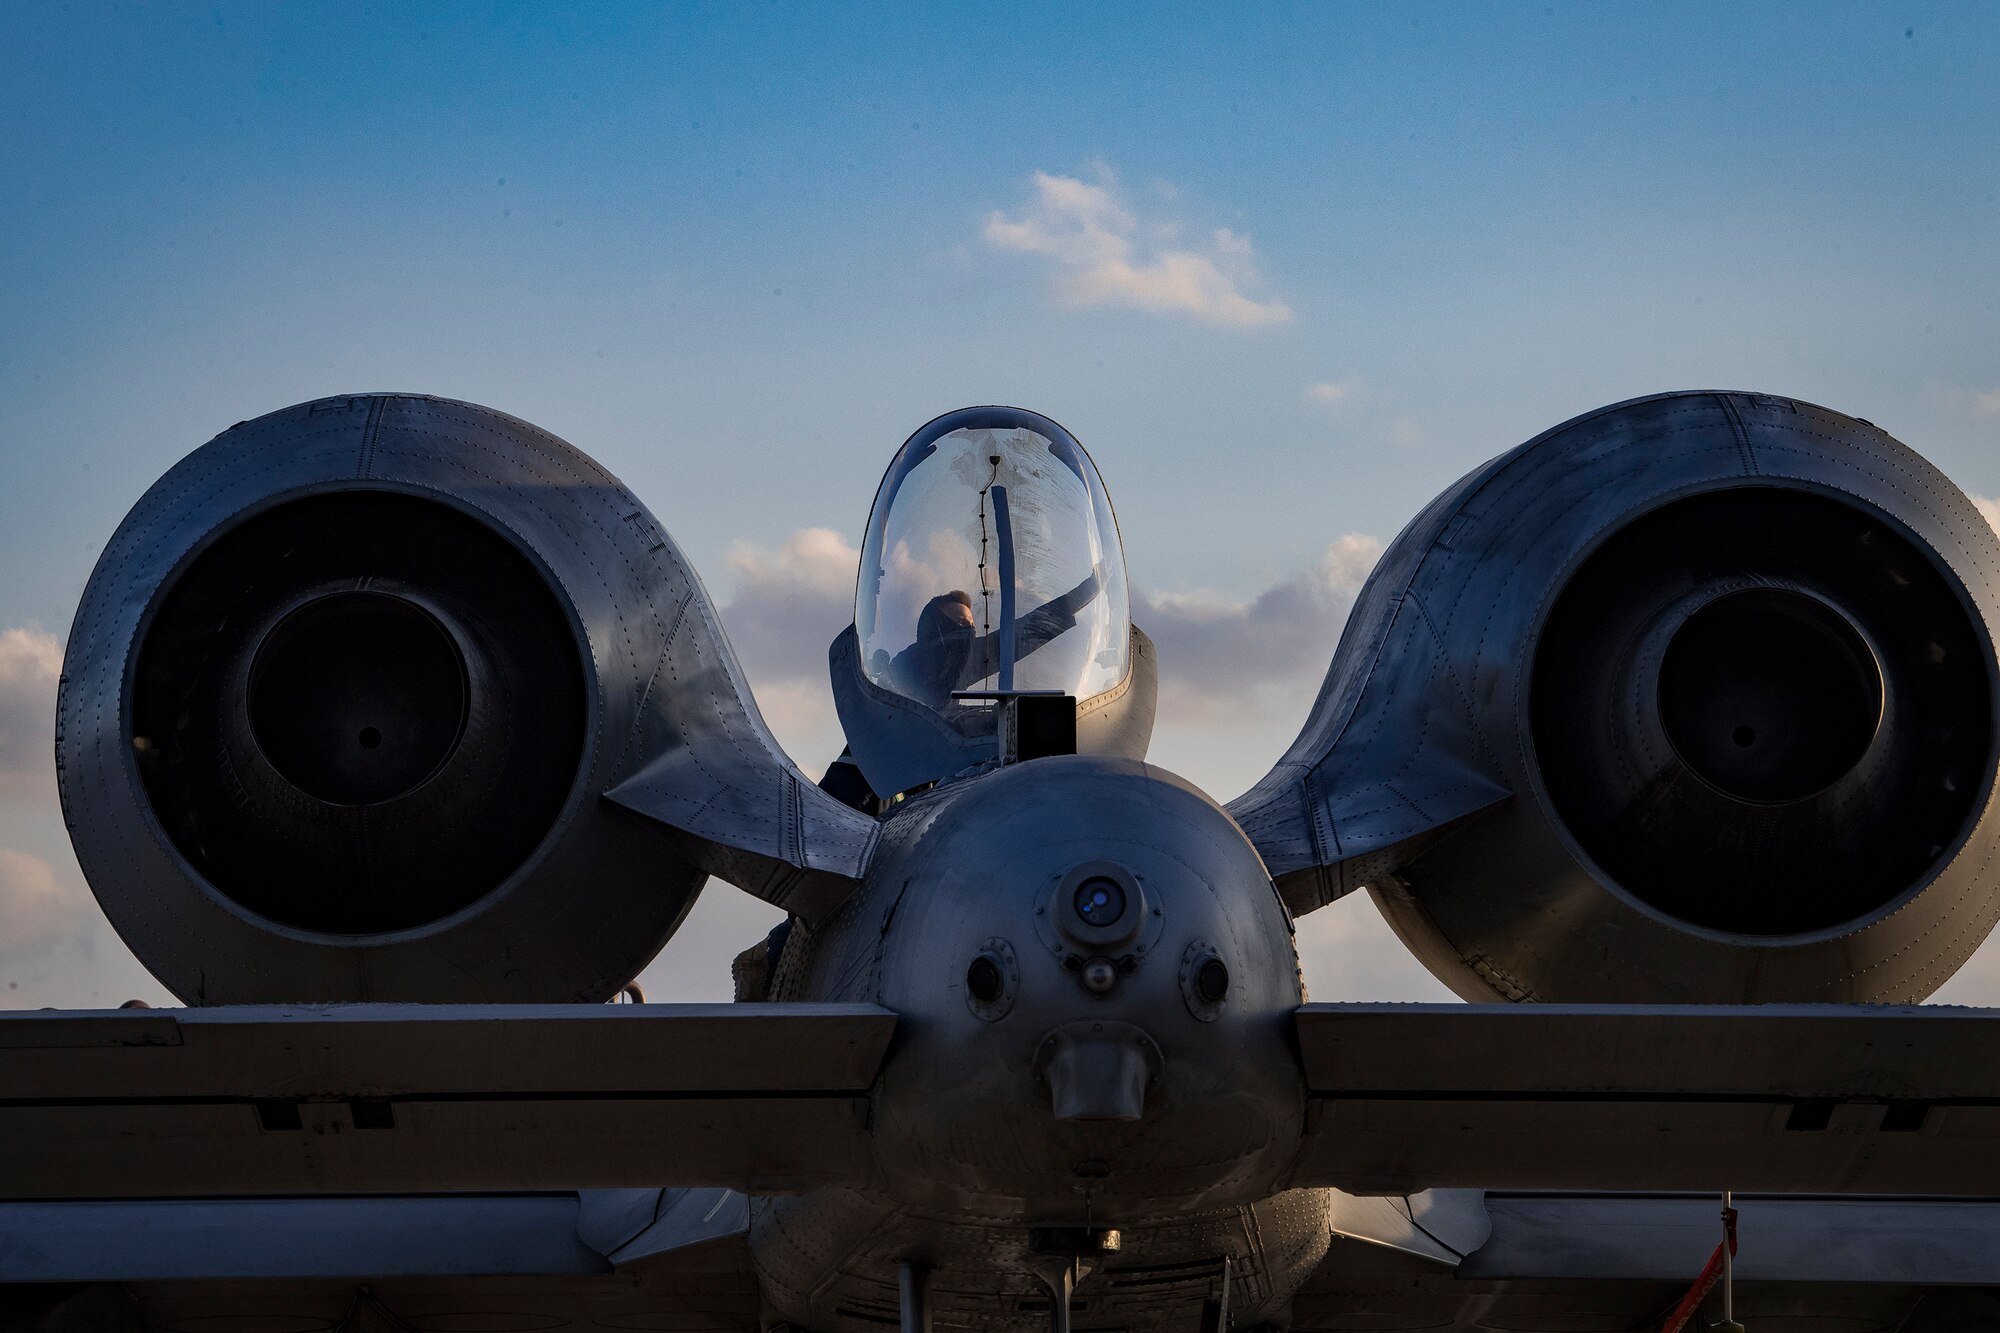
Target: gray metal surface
{"x": 1119, "y": 722}
{"x": 668, "y": 716}
{"x": 1424, "y": 719}
{"x": 127, "y": 1240}
{"x": 374, "y": 1098}
{"x": 1436, "y": 1226}
{"x": 965, "y": 1115}
{"x": 631, "y": 1225}
{"x": 1799, "y": 1099}
{"x": 1636, "y": 1238}
{"x": 684, "y": 1218}
{"x": 706, "y": 1289}
{"x": 898, "y": 743}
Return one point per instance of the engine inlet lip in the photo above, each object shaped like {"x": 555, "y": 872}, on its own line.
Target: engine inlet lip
{"x": 187, "y": 556}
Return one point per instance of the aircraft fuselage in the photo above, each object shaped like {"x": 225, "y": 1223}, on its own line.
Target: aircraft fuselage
{"x": 1095, "y": 976}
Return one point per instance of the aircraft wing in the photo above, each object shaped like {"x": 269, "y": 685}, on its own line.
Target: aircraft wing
{"x": 387, "y": 1098}
{"x": 628, "y": 1258}
{"x": 1797, "y": 1099}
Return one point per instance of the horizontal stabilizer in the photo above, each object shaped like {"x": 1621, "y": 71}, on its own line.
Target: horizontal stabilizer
{"x": 368, "y": 1098}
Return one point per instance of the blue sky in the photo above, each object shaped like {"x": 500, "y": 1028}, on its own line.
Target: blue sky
{"x": 1286, "y": 271}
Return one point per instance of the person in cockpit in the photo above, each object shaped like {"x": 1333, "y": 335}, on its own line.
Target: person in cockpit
{"x": 950, "y": 655}
{"x": 983, "y": 518}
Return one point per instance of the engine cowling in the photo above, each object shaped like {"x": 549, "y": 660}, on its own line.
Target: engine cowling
{"x": 1727, "y": 659}
{"x": 340, "y": 701}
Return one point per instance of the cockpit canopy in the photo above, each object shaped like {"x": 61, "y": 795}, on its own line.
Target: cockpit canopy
{"x": 992, "y": 564}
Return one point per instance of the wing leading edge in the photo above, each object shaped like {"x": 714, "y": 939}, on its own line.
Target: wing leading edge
{"x": 1795, "y": 1099}
{"x": 359, "y": 1099}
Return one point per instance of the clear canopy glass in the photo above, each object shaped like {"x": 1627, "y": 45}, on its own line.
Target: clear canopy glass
{"x": 992, "y": 563}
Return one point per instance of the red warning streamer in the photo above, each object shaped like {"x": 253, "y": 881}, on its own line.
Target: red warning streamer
{"x": 1711, "y": 1273}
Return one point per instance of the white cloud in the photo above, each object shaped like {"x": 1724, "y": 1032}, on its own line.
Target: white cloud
{"x": 819, "y": 558}
{"x": 1228, "y": 242}
{"x": 786, "y": 606}
{"x": 783, "y": 610}
{"x": 35, "y": 906}
{"x": 30, "y": 666}
{"x": 1238, "y": 674}
{"x": 1988, "y": 403}
{"x": 56, "y": 948}
{"x": 1990, "y": 508}
{"x": 1094, "y": 240}
{"x": 1328, "y": 394}
{"x": 1224, "y": 657}
{"x": 1348, "y": 952}
{"x": 42, "y": 914}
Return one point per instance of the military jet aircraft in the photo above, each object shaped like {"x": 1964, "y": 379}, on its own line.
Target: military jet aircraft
{"x": 395, "y": 736}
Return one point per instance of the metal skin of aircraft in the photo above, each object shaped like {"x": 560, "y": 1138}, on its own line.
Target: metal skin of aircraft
{"x": 395, "y": 736}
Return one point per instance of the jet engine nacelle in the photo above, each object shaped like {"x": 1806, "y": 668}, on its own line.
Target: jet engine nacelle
{"x": 1712, "y": 676}
{"x": 341, "y": 698}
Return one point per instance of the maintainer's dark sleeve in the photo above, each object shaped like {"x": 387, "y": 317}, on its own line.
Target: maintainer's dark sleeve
{"x": 1031, "y": 631}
